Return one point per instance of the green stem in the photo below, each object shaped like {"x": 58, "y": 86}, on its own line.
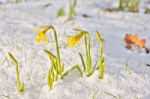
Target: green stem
{"x": 53, "y": 60}
{"x": 121, "y": 5}
{"x": 127, "y": 63}
{"x": 112, "y": 95}
{"x": 101, "y": 65}
{"x": 20, "y": 86}
{"x": 57, "y": 49}
{"x": 17, "y": 74}
{"x": 101, "y": 69}
{"x": 50, "y": 79}
{"x": 88, "y": 56}
{"x": 94, "y": 94}
{"x": 82, "y": 60}
{"x": 18, "y": 78}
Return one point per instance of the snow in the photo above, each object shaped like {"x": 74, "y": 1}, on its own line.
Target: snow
{"x": 16, "y": 36}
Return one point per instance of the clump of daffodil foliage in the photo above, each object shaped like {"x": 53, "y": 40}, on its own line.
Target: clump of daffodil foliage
{"x": 20, "y": 87}
{"x": 56, "y": 67}
{"x": 17, "y": 1}
{"x": 72, "y": 7}
{"x": 134, "y": 5}
{"x": 53, "y": 69}
{"x": 88, "y": 69}
{"x": 130, "y": 5}
{"x": 61, "y": 11}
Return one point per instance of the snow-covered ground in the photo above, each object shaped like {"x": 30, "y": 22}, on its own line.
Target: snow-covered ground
{"x": 16, "y": 36}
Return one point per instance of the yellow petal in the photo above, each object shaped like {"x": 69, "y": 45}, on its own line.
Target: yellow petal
{"x": 39, "y": 37}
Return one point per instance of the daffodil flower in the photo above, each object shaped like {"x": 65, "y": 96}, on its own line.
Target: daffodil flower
{"x": 42, "y": 30}
{"x": 71, "y": 41}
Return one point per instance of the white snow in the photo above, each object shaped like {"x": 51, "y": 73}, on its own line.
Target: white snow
{"x": 16, "y": 36}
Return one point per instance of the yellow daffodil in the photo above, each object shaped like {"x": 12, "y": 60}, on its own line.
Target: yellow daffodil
{"x": 41, "y": 33}
{"x": 71, "y": 41}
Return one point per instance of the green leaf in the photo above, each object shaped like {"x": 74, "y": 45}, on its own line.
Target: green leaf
{"x": 101, "y": 58}
{"x": 13, "y": 58}
{"x": 62, "y": 67}
{"x": 53, "y": 60}
{"x": 52, "y": 73}
{"x": 99, "y": 39}
{"x": 20, "y": 86}
{"x": 94, "y": 94}
{"x": 72, "y": 7}
{"x": 71, "y": 11}
{"x": 70, "y": 70}
{"x": 51, "y": 56}
{"x": 82, "y": 60}
{"x": 60, "y": 12}
{"x": 50, "y": 79}
{"x": 93, "y": 69}
{"x": 75, "y": 3}
{"x": 88, "y": 54}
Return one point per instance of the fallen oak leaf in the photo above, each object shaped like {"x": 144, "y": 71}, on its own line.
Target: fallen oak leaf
{"x": 134, "y": 40}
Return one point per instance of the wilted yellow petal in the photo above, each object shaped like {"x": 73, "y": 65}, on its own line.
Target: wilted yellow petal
{"x": 41, "y": 28}
{"x": 71, "y": 41}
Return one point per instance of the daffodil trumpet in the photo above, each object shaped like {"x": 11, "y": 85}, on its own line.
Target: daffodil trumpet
{"x": 20, "y": 87}
{"x": 42, "y": 30}
{"x": 101, "y": 59}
